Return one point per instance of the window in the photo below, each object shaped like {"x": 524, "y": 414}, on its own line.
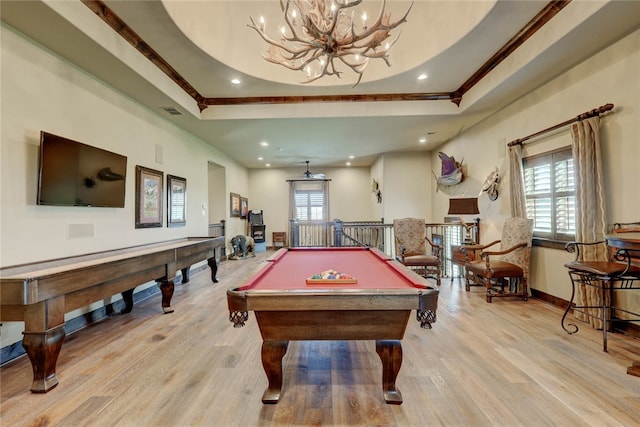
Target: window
{"x": 549, "y": 187}
{"x": 309, "y": 204}
{"x": 309, "y": 200}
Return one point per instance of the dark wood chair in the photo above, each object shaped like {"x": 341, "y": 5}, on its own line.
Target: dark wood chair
{"x": 626, "y": 227}
{"x": 411, "y": 248}
{"x": 504, "y": 273}
{"x": 597, "y": 281}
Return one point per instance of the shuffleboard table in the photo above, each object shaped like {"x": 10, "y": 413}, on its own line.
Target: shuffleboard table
{"x": 374, "y": 305}
{"x": 41, "y": 293}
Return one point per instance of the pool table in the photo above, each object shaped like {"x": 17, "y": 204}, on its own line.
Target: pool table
{"x": 377, "y": 307}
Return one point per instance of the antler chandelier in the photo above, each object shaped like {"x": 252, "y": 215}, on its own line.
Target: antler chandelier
{"x": 321, "y": 33}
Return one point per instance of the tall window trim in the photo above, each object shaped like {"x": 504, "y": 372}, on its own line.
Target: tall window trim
{"x": 550, "y": 195}
{"x": 309, "y": 200}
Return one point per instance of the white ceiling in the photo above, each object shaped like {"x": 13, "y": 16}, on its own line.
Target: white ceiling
{"x": 208, "y": 43}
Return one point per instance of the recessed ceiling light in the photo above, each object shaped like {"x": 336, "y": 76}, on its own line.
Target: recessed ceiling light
{"x": 235, "y": 81}
{"x": 264, "y": 143}
{"x": 422, "y": 76}
{"x": 422, "y": 140}
{"x": 352, "y": 157}
{"x": 268, "y": 165}
{"x": 348, "y": 163}
{"x": 260, "y": 158}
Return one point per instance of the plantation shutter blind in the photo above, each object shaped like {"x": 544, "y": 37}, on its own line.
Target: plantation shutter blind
{"x": 550, "y": 194}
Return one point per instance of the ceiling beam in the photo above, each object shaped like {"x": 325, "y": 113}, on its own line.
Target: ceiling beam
{"x": 538, "y": 21}
{"x": 120, "y": 27}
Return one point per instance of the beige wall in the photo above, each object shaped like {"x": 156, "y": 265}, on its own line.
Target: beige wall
{"x": 218, "y": 206}
{"x": 377, "y": 172}
{"x": 350, "y": 196}
{"x": 609, "y": 77}
{"x": 408, "y": 184}
{"x": 405, "y": 179}
{"x": 269, "y": 192}
{"x": 42, "y": 92}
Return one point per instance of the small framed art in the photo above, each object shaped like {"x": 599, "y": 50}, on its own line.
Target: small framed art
{"x": 176, "y": 201}
{"x": 244, "y": 207}
{"x": 148, "y": 197}
{"x": 235, "y": 205}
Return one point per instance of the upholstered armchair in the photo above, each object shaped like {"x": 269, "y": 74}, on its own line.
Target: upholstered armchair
{"x": 504, "y": 273}
{"x": 411, "y": 248}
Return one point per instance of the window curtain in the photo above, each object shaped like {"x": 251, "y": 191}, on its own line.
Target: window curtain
{"x": 590, "y": 208}
{"x": 516, "y": 182}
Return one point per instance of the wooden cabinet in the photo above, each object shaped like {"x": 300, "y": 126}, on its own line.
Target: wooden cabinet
{"x": 279, "y": 239}
{"x": 460, "y": 257}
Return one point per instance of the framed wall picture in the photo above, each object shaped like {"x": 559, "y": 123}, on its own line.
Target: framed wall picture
{"x": 148, "y": 197}
{"x": 235, "y": 205}
{"x": 244, "y": 207}
{"x": 176, "y": 201}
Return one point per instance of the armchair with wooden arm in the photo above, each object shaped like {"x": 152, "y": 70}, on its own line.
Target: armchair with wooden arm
{"x": 411, "y": 248}
{"x": 504, "y": 272}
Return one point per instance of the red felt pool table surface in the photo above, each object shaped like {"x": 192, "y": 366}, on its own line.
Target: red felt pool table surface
{"x": 289, "y": 268}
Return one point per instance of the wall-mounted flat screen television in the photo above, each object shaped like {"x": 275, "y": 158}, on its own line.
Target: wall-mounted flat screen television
{"x": 76, "y": 174}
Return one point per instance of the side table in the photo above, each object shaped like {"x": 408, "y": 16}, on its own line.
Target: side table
{"x": 279, "y": 239}
{"x": 462, "y": 254}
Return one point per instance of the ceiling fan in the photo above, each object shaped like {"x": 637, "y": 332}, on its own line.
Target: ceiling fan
{"x": 309, "y": 175}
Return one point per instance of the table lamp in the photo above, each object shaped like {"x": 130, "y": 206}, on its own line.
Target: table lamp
{"x": 464, "y": 206}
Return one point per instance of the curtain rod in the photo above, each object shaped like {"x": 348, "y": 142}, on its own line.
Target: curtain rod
{"x": 595, "y": 112}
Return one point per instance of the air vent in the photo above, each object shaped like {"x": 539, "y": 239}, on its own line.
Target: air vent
{"x": 173, "y": 111}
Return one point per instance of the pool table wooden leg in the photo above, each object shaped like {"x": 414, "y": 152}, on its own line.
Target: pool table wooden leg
{"x": 272, "y": 353}
{"x": 390, "y": 352}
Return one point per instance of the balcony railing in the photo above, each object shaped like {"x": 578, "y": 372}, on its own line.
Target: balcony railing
{"x": 217, "y": 230}
{"x": 379, "y": 235}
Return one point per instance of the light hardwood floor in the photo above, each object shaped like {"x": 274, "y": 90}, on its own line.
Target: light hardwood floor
{"x": 508, "y": 363}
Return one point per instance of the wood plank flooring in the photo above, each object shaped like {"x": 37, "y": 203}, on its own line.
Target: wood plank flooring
{"x": 508, "y": 363}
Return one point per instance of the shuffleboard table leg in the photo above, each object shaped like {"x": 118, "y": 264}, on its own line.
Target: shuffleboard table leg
{"x": 390, "y": 352}
{"x": 185, "y": 274}
{"x": 166, "y": 288}
{"x": 213, "y": 265}
{"x": 43, "y": 349}
{"x": 272, "y": 354}
{"x": 127, "y": 298}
